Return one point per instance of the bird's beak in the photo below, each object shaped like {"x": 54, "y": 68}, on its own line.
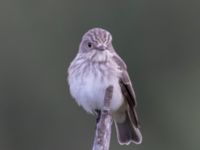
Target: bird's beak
{"x": 101, "y": 47}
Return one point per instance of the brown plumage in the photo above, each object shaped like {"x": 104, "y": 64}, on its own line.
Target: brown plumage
{"x": 96, "y": 66}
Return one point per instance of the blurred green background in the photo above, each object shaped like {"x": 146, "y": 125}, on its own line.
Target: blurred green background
{"x": 158, "y": 39}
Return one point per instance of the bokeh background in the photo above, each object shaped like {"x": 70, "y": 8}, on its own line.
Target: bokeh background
{"x": 158, "y": 39}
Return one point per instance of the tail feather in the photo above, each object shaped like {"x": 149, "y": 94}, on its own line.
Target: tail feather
{"x": 127, "y": 132}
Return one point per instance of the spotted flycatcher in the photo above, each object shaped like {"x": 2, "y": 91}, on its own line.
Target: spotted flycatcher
{"x": 95, "y": 67}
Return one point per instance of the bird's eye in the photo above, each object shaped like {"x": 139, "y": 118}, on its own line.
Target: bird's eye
{"x": 89, "y": 44}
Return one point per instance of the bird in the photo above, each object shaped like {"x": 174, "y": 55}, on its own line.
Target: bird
{"x": 96, "y": 66}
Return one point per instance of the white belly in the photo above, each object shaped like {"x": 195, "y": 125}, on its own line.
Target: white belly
{"x": 89, "y": 89}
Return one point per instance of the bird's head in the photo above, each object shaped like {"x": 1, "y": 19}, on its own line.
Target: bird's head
{"x": 96, "y": 44}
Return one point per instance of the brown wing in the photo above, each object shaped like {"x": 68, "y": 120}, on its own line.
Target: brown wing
{"x": 127, "y": 89}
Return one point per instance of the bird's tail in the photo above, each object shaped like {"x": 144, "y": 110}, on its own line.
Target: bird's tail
{"x": 127, "y": 132}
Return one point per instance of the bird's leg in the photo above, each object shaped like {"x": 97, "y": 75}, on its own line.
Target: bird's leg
{"x": 98, "y": 112}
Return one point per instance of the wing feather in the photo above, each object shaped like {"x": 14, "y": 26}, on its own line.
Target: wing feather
{"x": 127, "y": 89}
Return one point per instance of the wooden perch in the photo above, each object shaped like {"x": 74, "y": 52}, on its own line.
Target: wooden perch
{"x": 103, "y": 126}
